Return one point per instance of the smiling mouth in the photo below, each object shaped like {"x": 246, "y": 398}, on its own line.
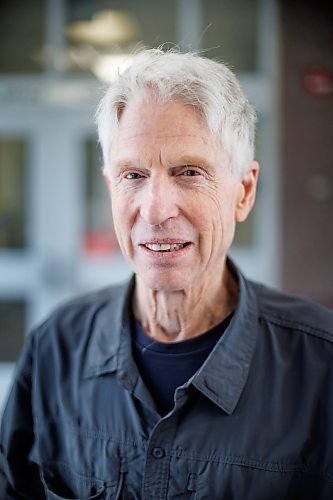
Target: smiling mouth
{"x": 165, "y": 247}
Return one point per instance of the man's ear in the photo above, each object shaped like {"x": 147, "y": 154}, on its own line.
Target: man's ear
{"x": 247, "y": 191}
{"x": 106, "y": 176}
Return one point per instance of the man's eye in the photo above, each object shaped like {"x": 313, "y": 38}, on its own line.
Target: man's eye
{"x": 190, "y": 173}
{"x": 133, "y": 175}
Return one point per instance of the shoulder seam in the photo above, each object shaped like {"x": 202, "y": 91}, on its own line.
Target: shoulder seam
{"x": 316, "y": 332}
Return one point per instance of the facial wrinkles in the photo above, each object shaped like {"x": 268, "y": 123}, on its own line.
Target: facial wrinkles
{"x": 121, "y": 211}
{"x": 218, "y": 247}
{"x": 176, "y": 226}
{"x": 158, "y": 154}
{"x": 209, "y": 190}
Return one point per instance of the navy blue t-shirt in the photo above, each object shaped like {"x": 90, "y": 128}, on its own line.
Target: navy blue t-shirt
{"x": 164, "y": 366}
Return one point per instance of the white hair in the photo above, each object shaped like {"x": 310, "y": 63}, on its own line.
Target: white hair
{"x": 201, "y": 82}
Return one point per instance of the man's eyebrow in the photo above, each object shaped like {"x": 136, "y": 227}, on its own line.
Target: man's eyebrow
{"x": 125, "y": 163}
{"x": 195, "y": 161}
{"x": 188, "y": 159}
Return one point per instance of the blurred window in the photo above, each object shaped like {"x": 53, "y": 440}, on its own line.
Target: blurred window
{"x": 12, "y": 323}
{"x": 104, "y": 27}
{"x": 231, "y": 32}
{"x": 94, "y": 29}
{"x": 99, "y": 236}
{"x": 12, "y": 193}
{"x": 21, "y": 36}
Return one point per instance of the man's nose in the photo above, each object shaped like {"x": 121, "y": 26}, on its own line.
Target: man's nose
{"x": 159, "y": 201}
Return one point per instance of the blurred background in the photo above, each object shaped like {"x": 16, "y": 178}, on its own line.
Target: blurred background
{"x": 56, "y": 56}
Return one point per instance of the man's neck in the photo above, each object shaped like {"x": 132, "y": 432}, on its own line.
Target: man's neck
{"x": 184, "y": 314}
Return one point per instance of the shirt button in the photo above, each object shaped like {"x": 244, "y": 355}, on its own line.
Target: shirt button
{"x": 158, "y": 452}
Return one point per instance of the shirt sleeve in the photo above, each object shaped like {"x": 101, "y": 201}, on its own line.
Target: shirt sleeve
{"x": 19, "y": 476}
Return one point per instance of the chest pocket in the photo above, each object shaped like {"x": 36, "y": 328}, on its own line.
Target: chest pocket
{"x": 60, "y": 483}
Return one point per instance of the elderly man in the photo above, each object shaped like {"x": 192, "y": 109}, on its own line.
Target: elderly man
{"x": 190, "y": 381}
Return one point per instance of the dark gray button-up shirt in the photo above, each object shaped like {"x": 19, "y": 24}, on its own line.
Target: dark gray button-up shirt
{"x": 255, "y": 422}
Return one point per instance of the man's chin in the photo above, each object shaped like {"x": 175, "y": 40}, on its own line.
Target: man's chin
{"x": 163, "y": 281}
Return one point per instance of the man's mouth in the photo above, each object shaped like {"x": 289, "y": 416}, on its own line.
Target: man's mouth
{"x": 165, "y": 247}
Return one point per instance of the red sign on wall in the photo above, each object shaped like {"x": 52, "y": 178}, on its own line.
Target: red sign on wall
{"x": 318, "y": 83}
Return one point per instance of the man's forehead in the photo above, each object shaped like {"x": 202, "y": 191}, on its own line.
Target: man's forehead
{"x": 174, "y": 144}
{"x": 168, "y": 129}
{"x": 144, "y": 113}
{"x": 128, "y": 134}
{"x": 166, "y": 122}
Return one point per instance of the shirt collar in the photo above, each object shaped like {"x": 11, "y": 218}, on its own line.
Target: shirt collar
{"x": 223, "y": 375}
{"x": 110, "y": 331}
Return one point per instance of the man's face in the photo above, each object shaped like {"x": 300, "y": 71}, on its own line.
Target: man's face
{"x": 175, "y": 200}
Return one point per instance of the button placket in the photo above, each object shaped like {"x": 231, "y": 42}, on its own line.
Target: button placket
{"x": 156, "y": 474}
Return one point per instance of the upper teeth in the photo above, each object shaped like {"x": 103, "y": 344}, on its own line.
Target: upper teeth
{"x": 164, "y": 247}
